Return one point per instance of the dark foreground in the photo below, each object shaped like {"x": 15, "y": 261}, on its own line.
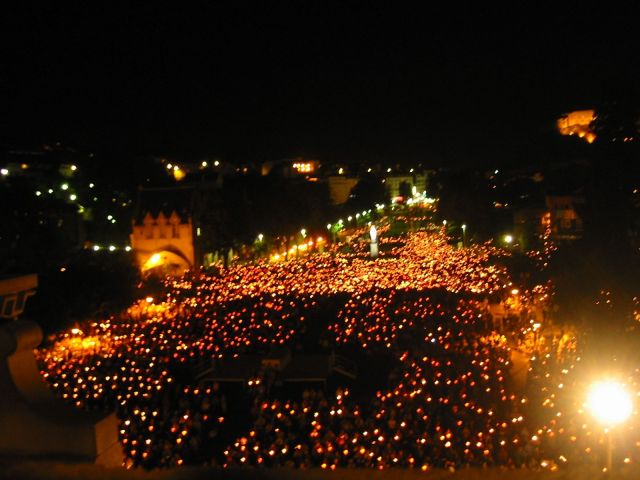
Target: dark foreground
{"x": 27, "y": 470}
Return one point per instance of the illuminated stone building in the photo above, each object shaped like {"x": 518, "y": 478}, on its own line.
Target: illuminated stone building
{"x": 577, "y": 123}
{"x": 164, "y": 232}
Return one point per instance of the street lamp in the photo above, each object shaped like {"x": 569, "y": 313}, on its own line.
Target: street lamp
{"x": 611, "y": 405}
{"x": 508, "y": 239}
{"x": 464, "y": 234}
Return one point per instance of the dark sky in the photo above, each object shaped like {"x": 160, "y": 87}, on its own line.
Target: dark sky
{"x": 335, "y": 81}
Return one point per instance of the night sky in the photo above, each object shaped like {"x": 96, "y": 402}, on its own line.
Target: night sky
{"x": 335, "y": 81}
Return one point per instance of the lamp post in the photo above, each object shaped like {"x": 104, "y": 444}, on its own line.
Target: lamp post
{"x": 464, "y": 234}
{"x": 611, "y": 405}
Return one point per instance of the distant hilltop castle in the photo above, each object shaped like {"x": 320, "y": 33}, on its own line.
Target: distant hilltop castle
{"x": 577, "y": 123}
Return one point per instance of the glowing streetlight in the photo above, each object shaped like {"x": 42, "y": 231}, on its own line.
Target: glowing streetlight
{"x": 260, "y": 237}
{"x": 611, "y": 405}
{"x": 508, "y": 239}
{"x": 303, "y": 232}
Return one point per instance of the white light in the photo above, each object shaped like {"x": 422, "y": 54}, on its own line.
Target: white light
{"x": 368, "y": 170}
{"x": 91, "y": 185}
{"x": 464, "y": 227}
{"x": 127, "y": 248}
{"x": 216, "y": 163}
{"x": 73, "y": 197}
{"x": 64, "y": 186}
{"x": 508, "y": 238}
{"x": 444, "y": 222}
{"x": 349, "y": 218}
{"x": 112, "y": 248}
{"x": 373, "y": 233}
{"x": 38, "y": 193}
{"x": 328, "y": 226}
{"x": 169, "y": 166}
{"x": 340, "y": 171}
{"x": 50, "y": 190}
{"x": 96, "y": 248}
{"x": 74, "y": 168}
{"x": 109, "y": 217}
{"x": 303, "y": 232}
{"x": 4, "y": 171}
{"x": 204, "y": 164}
{"x": 260, "y": 237}
{"x": 609, "y": 403}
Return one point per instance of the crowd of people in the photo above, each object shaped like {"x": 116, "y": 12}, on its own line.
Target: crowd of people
{"x": 446, "y": 404}
{"x": 448, "y": 398}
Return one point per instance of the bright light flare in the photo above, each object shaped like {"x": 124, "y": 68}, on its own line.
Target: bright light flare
{"x": 609, "y": 403}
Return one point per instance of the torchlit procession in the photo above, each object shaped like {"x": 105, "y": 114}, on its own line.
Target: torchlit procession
{"x": 421, "y": 311}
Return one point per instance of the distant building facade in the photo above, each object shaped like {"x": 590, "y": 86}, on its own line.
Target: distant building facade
{"x": 340, "y": 187}
{"x": 404, "y": 184}
{"x": 566, "y": 223}
{"x": 163, "y": 240}
{"x": 163, "y": 232}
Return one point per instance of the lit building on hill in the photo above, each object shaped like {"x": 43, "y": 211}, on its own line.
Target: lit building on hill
{"x": 578, "y": 123}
